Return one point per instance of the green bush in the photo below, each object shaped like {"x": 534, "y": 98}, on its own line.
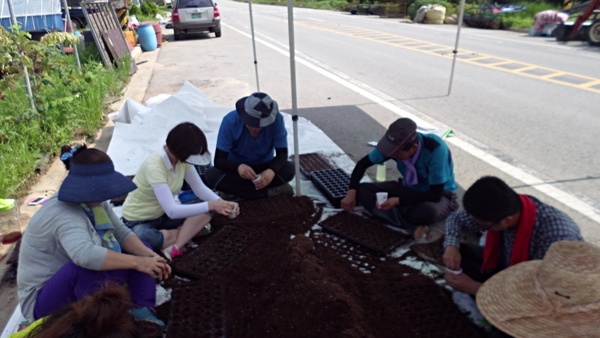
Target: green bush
{"x": 134, "y": 10}
{"x": 67, "y": 103}
{"x": 149, "y": 9}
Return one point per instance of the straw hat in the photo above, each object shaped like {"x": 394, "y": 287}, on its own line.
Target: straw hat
{"x": 558, "y": 296}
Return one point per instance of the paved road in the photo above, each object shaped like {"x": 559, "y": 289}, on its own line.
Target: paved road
{"x": 522, "y": 108}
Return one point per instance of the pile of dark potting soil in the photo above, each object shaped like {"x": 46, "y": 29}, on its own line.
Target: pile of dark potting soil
{"x": 269, "y": 274}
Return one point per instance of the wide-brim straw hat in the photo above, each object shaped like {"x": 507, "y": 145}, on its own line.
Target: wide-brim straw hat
{"x": 93, "y": 183}
{"x": 558, "y": 296}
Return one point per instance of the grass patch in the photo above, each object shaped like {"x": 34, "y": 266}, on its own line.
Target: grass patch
{"x": 68, "y": 104}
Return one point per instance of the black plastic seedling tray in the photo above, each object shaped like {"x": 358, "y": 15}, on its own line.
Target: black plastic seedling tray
{"x": 314, "y": 162}
{"x": 197, "y": 311}
{"x": 220, "y": 250}
{"x": 333, "y": 183}
{"x": 365, "y": 232}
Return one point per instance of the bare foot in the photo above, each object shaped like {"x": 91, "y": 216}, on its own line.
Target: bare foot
{"x": 421, "y": 231}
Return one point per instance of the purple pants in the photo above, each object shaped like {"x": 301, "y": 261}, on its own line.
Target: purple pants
{"x": 73, "y": 282}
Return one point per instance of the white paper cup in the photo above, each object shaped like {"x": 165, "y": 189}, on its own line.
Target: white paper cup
{"x": 256, "y": 179}
{"x": 456, "y": 272}
{"x": 381, "y": 197}
{"x": 233, "y": 213}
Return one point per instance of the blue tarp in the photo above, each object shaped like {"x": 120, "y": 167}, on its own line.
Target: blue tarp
{"x": 33, "y": 15}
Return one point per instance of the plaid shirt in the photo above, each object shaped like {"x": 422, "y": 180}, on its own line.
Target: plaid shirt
{"x": 551, "y": 225}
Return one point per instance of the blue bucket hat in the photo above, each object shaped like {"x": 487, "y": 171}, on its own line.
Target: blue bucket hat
{"x": 257, "y": 110}
{"x": 93, "y": 183}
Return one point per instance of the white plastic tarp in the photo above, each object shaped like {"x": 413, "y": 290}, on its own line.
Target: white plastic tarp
{"x": 141, "y": 130}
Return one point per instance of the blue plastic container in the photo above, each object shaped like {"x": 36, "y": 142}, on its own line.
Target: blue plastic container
{"x": 147, "y": 37}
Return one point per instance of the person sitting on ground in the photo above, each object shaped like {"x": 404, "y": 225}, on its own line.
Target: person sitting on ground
{"x": 518, "y": 228}
{"x": 151, "y": 211}
{"x": 75, "y": 242}
{"x": 424, "y": 194}
{"x": 244, "y": 162}
{"x": 558, "y": 296}
{"x": 104, "y": 314}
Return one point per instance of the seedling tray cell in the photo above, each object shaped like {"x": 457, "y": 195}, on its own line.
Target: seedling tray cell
{"x": 197, "y": 311}
{"x": 220, "y": 250}
{"x": 314, "y": 162}
{"x": 333, "y": 183}
{"x": 265, "y": 212}
{"x": 420, "y": 294}
{"x": 365, "y": 232}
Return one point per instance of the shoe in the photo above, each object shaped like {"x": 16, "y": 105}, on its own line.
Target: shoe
{"x": 150, "y": 329}
{"x": 284, "y": 189}
{"x": 421, "y": 232}
{"x": 205, "y": 231}
{"x": 146, "y": 314}
{"x": 228, "y": 197}
{"x": 172, "y": 252}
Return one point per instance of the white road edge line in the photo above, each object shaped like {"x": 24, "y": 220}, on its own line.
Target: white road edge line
{"x": 384, "y": 100}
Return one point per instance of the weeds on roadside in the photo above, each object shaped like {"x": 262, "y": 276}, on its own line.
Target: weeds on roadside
{"x": 68, "y": 104}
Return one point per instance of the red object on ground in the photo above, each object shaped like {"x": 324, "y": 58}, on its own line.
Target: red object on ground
{"x": 11, "y": 237}
{"x": 157, "y": 30}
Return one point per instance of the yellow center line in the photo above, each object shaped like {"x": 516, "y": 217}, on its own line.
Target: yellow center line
{"x": 516, "y": 67}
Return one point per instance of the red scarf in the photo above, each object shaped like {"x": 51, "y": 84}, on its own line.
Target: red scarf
{"x": 520, "y": 249}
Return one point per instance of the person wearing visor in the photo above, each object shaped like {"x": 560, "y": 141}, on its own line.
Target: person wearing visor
{"x": 424, "y": 194}
{"x": 151, "y": 211}
{"x": 518, "y": 228}
{"x": 75, "y": 244}
{"x": 251, "y": 160}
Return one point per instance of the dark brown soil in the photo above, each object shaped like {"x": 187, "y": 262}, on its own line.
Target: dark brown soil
{"x": 311, "y": 284}
{"x": 314, "y": 162}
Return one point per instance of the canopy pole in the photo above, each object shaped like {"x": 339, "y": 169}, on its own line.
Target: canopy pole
{"x": 290, "y": 5}
{"x": 70, "y": 28}
{"x": 455, "y": 51}
{"x": 14, "y": 22}
{"x": 253, "y": 45}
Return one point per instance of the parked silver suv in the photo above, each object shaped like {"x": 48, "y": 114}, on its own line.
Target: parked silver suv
{"x": 195, "y": 16}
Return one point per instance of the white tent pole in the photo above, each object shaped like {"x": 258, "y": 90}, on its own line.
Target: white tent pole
{"x": 290, "y": 5}
{"x": 455, "y": 51}
{"x": 13, "y": 21}
{"x": 253, "y": 45}
{"x": 70, "y": 27}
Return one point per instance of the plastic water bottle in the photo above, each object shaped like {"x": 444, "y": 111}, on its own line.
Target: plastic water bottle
{"x": 10, "y": 230}
{"x": 380, "y": 177}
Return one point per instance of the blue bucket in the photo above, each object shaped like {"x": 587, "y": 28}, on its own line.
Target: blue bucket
{"x": 147, "y": 37}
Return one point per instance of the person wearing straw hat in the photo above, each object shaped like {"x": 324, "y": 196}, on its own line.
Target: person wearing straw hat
{"x": 75, "y": 243}
{"x": 517, "y": 228}
{"x": 424, "y": 194}
{"x": 151, "y": 211}
{"x": 251, "y": 160}
{"x": 558, "y": 296}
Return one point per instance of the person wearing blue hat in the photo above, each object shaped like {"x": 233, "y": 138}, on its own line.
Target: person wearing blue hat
{"x": 75, "y": 243}
{"x": 151, "y": 211}
{"x": 251, "y": 160}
